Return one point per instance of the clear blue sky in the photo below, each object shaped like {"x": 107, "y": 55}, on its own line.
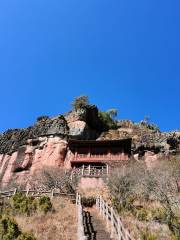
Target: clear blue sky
{"x": 123, "y": 54}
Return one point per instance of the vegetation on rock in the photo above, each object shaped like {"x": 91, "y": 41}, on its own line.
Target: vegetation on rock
{"x": 80, "y": 102}
{"x": 42, "y": 118}
{"x": 108, "y": 122}
{"x": 112, "y": 113}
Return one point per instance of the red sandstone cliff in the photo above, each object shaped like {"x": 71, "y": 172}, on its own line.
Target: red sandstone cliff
{"x": 23, "y": 151}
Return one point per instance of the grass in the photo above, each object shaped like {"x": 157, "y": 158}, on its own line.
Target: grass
{"x": 146, "y": 228}
{"x": 59, "y": 224}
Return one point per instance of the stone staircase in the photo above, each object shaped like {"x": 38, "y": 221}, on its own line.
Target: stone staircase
{"x": 95, "y": 227}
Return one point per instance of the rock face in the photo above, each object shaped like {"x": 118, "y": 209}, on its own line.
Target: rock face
{"x": 84, "y": 124}
{"x": 145, "y": 138}
{"x": 24, "y": 151}
{"x": 22, "y": 164}
{"x": 11, "y": 140}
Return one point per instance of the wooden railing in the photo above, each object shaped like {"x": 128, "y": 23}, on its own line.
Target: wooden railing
{"x": 35, "y": 193}
{"x": 103, "y": 157}
{"x": 113, "y": 220}
{"x": 80, "y": 227}
{"x": 96, "y": 171}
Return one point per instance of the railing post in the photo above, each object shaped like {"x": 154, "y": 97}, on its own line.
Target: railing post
{"x": 27, "y": 192}
{"x": 100, "y": 204}
{"x": 52, "y": 193}
{"x": 107, "y": 215}
{"x": 103, "y": 208}
{"x": 15, "y": 190}
{"x": 79, "y": 199}
{"x": 97, "y": 203}
{"x": 112, "y": 223}
{"x": 77, "y": 196}
{"x": 71, "y": 177}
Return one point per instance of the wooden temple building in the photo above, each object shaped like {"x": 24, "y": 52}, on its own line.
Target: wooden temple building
{"x": 92, "y": 152}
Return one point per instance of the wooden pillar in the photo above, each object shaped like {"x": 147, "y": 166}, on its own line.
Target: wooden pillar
{"x": 83, "y": 170}
{"x": 107, "y": 168}
{"x": 76, "y": 155}
{"x": 89, "y": 151}
{"x": 89, "y": 170}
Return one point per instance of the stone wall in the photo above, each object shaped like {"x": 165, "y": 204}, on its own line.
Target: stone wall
{"x": 91, "y": 183}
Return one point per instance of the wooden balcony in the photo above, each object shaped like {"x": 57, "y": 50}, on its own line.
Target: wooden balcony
{"x": 93, "y": 171}
{"x": 99, "y": 157}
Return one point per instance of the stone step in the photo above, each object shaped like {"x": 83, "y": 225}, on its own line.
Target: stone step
{"x": 95, "y": 227}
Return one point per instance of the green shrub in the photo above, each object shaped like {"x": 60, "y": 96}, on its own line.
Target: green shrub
{"x": 80, "y": 102}
{"x": 160, "y": 215}
{"x": 23, "y": 204}
{"x": 107, "y": 121}
{"x": 176, "y": 227}
{"x": 42, "y": 118}
{"x": 142, "y": 214}
{"x": 112, "y": 113}
{"x": 26, "y": 236}
{"x": 44, "y": 204}
{"x": 8, "y": 229}
{"x": 146, "y": 235}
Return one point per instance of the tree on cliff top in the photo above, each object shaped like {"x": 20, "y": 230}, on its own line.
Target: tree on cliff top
{"x": 112, "y": 113}
{"x": 80, "y": 102}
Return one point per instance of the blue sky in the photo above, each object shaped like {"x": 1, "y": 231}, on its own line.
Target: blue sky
{"x": 123, "y": 54}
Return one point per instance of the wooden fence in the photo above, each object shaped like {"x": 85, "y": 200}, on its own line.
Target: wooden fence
{"x": 113, "y": 220}
{"x": 35, "y": 193}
